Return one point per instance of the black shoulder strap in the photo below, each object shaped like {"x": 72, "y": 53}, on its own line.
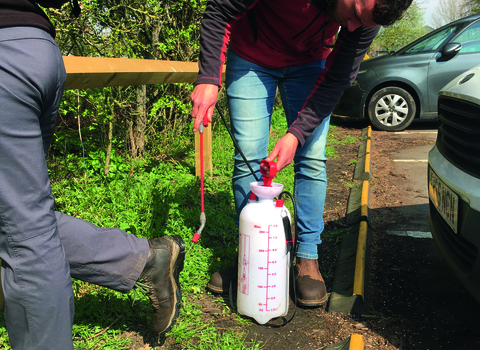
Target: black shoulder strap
{"x": 75, "y": 8}
{"x": 58, "y": 4}
{"x": 320, "y": 4}
{"x": 253, "y": 24}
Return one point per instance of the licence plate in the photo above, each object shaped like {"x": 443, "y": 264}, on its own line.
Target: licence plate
{"x": 444, "y": 199}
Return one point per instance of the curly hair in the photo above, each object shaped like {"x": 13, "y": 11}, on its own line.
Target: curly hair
{"x": 386, "y": 12}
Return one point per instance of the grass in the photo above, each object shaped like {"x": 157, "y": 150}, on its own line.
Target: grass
{"x": 149, "y": 197}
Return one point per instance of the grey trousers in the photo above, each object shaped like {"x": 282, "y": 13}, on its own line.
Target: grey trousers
{"x": 42, "y": 249}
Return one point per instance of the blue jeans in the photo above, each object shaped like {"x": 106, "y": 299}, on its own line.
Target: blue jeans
{"x": 251, "y": 92}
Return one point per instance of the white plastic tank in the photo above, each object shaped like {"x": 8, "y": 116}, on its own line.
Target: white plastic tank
{"x": 263, "y": 261}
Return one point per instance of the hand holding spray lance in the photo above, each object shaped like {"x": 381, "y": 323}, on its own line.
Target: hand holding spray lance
{"x": 203, "y": 219}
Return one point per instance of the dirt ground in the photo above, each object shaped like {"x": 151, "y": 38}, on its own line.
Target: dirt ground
{"x": 315, "y": 328}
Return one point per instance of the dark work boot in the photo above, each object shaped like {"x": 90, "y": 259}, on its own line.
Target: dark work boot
{"x": 309, "y": 284}
{"x": 159, "y": 279}
{"x": 220, "y": 281}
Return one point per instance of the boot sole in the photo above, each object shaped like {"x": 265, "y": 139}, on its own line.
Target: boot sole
{"x": 176, "y": 266}
{"x": 216, "y": 290}
{"x": 320, "y": 302}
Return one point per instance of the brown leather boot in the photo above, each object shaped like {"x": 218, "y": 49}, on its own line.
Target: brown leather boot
{"x": 309, "y": 284}
{"x": 220, "y": 281}
{"x": 160, "y": 280}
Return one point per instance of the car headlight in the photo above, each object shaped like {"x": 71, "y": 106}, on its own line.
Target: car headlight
{"x": 362, "y": 71}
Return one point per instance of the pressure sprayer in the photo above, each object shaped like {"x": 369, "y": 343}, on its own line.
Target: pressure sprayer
{"x": 264, "y": 250}
{"x": 266, "y": 246}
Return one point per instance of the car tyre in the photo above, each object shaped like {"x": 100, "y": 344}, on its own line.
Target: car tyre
{"x": 391, "y": 109}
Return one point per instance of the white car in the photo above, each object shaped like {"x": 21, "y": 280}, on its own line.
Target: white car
{"x": 454, "y": 178}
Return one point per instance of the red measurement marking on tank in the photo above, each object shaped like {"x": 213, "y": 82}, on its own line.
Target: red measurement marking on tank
{"x": 267, "y": 297}
{"x": 257, "y": 226}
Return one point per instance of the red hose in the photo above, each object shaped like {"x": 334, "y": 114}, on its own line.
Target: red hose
{"x": 203, "y": 218}
{"x": 202, "y": 204}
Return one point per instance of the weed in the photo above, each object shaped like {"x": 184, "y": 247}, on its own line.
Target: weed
{"x": 349, "y": 184}
{"x": 335, "y": 236}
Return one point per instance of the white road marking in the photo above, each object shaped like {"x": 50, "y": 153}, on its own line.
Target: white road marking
{"x": 416, "y": 132}
{"x": 411, "y": 160}
{"x": 414, "y": 234}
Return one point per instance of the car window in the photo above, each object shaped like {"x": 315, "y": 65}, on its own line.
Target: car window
{"x": 432, "y": 43}
{"x": 470, "y": 38}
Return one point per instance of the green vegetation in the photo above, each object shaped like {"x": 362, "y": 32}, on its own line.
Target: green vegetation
{"x": 407, "y": 29}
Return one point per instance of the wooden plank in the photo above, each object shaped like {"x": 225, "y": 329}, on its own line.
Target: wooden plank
{"x": 97, "y": 72}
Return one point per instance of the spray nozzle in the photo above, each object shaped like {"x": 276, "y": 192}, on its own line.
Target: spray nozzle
{"x": 204, "y": 124}
{"x": 268, "y": 170}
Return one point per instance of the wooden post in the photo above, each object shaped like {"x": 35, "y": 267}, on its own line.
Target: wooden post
{"x": 207, "y": 152}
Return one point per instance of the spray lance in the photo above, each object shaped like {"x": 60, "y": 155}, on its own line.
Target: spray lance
{"x": 203, "y": 218}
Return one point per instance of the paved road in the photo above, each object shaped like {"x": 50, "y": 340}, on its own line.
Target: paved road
{"x": 427, "y": 305}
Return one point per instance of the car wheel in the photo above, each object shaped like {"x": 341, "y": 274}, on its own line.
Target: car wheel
{"x": 391, "y": 109}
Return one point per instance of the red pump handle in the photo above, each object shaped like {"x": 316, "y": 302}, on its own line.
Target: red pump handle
{"x": 269, "y": 171}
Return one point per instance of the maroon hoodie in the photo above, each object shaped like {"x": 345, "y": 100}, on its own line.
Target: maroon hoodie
{"x": 281, "y": 33}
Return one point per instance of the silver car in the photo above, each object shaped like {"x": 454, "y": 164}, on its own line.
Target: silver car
{"x": 393, "y": 89}
{"x": 454, "y": 178}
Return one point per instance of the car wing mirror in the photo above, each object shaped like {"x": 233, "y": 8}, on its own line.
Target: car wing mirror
{"x": 449, "y": 51}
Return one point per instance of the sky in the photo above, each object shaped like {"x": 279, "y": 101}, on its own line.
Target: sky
{"x": 429, "y": 7}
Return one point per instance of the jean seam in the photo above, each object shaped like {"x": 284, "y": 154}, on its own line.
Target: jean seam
{"x": 307, "y": 256}
{"x": 287, "y": 104}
